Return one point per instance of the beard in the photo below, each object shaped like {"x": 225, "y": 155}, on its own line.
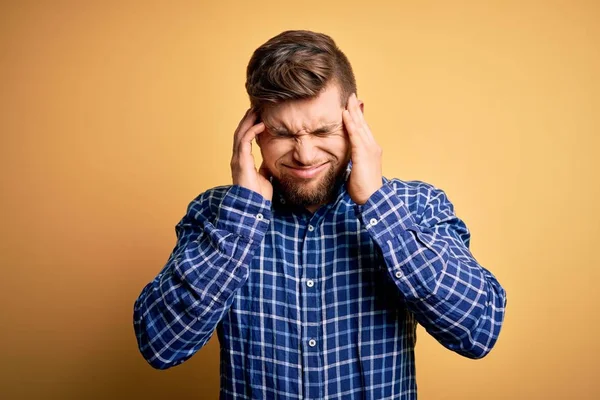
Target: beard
{"x": 302, "y": 192}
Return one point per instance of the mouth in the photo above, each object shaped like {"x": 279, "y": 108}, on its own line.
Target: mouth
{"x": 306, "y": 172}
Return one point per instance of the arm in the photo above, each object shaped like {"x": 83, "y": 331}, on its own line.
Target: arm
{"x": 177, "y": 313}
{"x": 460, "y": 303}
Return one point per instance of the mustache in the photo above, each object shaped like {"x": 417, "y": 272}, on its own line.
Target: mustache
{"x": 312, "y": 164}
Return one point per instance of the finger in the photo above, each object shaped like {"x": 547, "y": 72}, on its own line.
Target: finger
{"x": 356, "y": 111}
{"x": 245, "y": 142}
{"x": 245, "y": 124}
{"x": 351, "y": 127}
{"x": 243, "y": 119}
{"x": 358, "y": 117}
{"x": 236, "y": 134}
{"x": 350, "y": 106}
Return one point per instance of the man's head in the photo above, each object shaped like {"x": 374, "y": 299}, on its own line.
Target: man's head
{"x": 299, "y": 83}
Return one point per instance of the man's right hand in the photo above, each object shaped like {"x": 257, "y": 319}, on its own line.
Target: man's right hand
{"x": 243, "y": 168}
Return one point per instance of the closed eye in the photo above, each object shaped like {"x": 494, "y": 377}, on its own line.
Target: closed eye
{"x": 322, "y": 132}
{"x": 279, "y": 134}
{"x": 283, "y": 135}
{"x": 327, "y": 130}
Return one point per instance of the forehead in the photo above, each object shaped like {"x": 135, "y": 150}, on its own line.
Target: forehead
{"x": 326, "y": 108}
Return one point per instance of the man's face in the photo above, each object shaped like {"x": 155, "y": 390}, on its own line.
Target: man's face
{"x": 305, "y": 147}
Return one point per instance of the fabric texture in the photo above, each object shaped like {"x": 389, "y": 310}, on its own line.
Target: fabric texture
{"x": 323, "y": 305}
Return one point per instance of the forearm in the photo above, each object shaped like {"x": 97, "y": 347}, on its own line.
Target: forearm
{"x": 178, "y": 311}
{"x": 454, "y": 298}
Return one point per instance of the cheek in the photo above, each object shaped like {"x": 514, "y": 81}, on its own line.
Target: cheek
{"x": 272, "y": 151}
{"x": 340, "y": 146}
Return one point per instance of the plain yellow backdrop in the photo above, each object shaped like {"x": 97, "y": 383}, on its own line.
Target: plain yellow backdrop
{"x": 115, "y": 115}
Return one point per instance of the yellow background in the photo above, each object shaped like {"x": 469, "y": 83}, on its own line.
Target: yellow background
{"x": 115, "y": 115}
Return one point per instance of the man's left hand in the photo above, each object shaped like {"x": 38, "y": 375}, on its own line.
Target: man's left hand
{"x": 366, "y": 176}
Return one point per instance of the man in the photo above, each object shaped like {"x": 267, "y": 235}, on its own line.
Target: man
{"x": 314, "y": 269}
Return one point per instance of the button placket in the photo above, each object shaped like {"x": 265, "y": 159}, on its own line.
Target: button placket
{"x": 311, "y": 356}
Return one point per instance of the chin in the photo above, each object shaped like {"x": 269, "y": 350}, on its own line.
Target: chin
{"x": 312, "y": 191}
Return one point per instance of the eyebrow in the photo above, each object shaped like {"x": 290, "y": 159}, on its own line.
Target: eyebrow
{"x": 322, "y": 129}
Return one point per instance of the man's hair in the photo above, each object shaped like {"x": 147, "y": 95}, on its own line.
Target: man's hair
{"x": 297, "y": 65}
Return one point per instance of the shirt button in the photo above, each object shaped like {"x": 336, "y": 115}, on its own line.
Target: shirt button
{"x": 398, "y": 274}
{"x": 373, "y": 222}
{"x": 259, "y": 217}
{"x": 311, "y": 228}
{"x": 310, "y": 283}
{"x": 312, "y": 342}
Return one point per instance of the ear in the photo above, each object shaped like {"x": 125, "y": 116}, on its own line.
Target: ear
{"x": 361, "y": 104}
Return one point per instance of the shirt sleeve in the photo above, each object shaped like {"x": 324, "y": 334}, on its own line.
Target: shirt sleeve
{"x": 178, "y": 311}
{"x": 459, "y": 302}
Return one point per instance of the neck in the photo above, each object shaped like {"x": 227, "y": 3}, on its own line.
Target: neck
{"x": 313, "y": 208}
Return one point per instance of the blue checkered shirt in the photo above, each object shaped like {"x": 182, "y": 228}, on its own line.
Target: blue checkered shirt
{"x": 323, "y": 305}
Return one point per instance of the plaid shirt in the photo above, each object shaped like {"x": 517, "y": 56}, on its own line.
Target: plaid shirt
{"x": 323, "y": 305}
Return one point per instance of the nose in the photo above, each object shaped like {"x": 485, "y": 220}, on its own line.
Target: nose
{"x": 305, "y": 151}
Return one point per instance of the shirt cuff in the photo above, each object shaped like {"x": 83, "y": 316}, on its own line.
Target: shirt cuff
{"x": 245, "y": 213}
{"x": 385, "y": 215}
{"x": 392, "y": 226}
